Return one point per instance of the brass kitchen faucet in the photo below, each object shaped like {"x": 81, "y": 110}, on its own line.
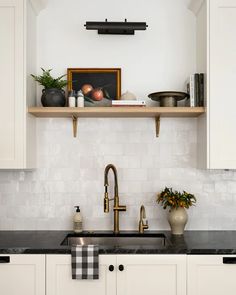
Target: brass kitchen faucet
{"x": 143, "y": 223}
{"x": 117, "y": 208}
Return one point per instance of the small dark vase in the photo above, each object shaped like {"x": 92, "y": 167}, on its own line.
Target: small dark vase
{"x": 53, "y": 97}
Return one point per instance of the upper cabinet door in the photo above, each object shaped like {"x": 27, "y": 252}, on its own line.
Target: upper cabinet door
{"x": 222, "y": 84}
{"x": 11, "y": 83}
{"x": 151, "y": 274}
{"x": 208, "y": 275}
{"x": 59, "y": 280}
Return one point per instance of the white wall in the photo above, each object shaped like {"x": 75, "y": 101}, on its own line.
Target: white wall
{"x": 157, "y": 59}
{"x": 71, "y": 170}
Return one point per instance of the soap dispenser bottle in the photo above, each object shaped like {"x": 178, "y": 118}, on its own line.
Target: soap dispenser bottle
{"x": 78, "y": 225}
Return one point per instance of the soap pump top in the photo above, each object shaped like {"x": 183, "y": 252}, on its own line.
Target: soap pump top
{"x": 77, "y": 208}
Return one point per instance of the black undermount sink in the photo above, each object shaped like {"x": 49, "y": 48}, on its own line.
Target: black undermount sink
{"x": 123, "y": 239}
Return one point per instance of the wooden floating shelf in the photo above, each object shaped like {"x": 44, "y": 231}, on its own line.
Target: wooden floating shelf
{"x": 116, "y": 112}
{"x": 119, "y": 112}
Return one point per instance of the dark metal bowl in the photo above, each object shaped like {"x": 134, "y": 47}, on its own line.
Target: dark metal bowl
{"x": 168, "y": 98}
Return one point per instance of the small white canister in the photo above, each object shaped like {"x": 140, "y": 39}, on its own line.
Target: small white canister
{"x": 80, "y": 99}
{"x": 72, "y": 100}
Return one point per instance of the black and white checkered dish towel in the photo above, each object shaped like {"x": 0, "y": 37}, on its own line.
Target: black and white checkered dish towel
{"x": 85, "y": 262}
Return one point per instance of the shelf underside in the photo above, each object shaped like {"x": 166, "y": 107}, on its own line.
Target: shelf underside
{"x": 119, "y": 112}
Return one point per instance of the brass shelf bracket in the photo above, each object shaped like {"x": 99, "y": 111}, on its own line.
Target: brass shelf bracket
{"x": 158, "y": 125}
{"x": 75, "y": 125}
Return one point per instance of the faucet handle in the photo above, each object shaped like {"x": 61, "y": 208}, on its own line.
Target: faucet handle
{"x": 145, "y": 222}
{"x": 146, "y": 226}
{"x": 120, "y": 208}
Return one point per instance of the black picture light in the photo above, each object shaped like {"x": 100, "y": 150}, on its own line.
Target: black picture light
{"x": 116, "y": 28}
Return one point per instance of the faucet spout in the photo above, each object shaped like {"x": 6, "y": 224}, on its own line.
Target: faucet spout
{"x": 106, "y": 172}
{"x": 117, "y": 207}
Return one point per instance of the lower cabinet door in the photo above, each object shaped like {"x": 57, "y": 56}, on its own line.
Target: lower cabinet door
{"x": 211, "y": 275}
{"x": 151, "y": 274}
{"x": 22, "y": 274}
{"x": 59, "y": 277}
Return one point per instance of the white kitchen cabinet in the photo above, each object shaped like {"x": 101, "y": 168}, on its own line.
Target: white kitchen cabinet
{"x": 132, "y": 274}
{"x": 222, "y": 78}
{"x": 59, "y": 277}
{"x": 151, "y": 274}
{"x": 216, "y": 56}
{"x": 208, "y": 275}
{"x": 22, "y": 274}
{"x": 17, "y": 88}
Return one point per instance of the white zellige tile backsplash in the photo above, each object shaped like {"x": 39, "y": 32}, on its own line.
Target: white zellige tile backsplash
{"x": 71, "y": 172}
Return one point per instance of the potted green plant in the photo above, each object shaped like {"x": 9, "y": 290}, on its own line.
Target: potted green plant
{"x": 177, "y": 202}
{"x": 53, "y": 94}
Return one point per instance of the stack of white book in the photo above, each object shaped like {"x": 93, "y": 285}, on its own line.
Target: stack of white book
{"x": 128, "y": 103}
{"x": 196, "y": 90}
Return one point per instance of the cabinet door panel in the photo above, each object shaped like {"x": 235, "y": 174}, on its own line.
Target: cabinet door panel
{"x": 11, "y": 83}
{"x": 222, "y": 79}
{"x": 208, "y": 275}
{"x": 24, "y": 274}
{"x": 151, "y": 274}
{"x": 59, "y": 281}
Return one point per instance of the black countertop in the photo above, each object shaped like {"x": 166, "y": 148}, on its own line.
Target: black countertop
{"x": 49, "y": 242}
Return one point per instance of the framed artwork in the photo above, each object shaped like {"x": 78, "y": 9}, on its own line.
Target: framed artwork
{"x": 99, "y": 86}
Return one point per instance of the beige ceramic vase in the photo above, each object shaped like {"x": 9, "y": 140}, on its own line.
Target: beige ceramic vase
{"x": 177, "y": 219}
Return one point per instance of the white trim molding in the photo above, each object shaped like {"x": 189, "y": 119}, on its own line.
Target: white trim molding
{"x": 39, "y": 5}
{"x": 195, "y": 5}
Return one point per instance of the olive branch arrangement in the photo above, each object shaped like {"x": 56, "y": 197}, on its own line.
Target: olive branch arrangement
{"x": 174, "y": 199}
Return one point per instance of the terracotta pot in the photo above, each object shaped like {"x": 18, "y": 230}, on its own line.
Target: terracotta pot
{"x": 177, "y": 219}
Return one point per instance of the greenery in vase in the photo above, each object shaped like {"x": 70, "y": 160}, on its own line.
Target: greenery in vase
{"x": 174, "y": 199}
{"x": 47, "y": 81}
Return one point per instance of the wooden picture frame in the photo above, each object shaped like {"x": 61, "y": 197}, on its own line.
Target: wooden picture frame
{"x": 106, "y": 79}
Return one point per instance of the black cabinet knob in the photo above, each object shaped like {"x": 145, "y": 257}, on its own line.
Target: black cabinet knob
{"x": 229, "y": 260}
{"x": 121, "y": 267}
{"x": 5, "y": 259}
{"x": 111, "y": 267}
